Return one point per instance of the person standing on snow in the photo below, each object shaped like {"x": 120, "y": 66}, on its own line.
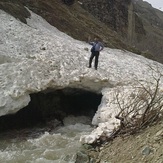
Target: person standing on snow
{"x": 97, "y": 46}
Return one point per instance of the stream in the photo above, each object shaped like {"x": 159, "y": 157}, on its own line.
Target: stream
{"x": 47, "y": 144}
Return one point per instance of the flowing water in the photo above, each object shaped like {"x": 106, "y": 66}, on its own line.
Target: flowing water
{"x": 41, "y": 145}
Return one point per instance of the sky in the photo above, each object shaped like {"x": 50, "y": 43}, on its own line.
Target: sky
{"x": 156, "y": 3}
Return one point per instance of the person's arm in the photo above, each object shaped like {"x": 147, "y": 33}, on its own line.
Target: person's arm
{"x": 101, "y": 46}
{"x": 91, "y": 43}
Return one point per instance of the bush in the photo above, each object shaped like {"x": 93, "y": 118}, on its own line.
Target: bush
{"x": 144, "y": 105}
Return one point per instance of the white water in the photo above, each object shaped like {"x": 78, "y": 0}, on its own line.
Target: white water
{"x": 57, "y": 146}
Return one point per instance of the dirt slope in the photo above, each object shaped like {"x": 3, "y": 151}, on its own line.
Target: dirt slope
{"x": 143, "y": 147}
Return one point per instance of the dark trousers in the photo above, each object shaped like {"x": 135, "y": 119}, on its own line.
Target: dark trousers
{"x": 96, "y": 55}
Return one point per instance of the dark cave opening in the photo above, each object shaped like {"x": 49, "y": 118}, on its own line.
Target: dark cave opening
{"x": 48, "y": 105}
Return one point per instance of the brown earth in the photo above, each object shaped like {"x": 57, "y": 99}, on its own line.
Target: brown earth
{"x": 143, "y": 147}
{"x": 72, "y": 20}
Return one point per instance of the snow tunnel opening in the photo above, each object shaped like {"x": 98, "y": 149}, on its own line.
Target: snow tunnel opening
{"x": 56, "y": 104}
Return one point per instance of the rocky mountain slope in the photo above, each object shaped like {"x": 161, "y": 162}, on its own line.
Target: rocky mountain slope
{"x": 132, "y": 25}
{"x": 136, "y": 22}
{"x": 152, "y": 20}
{"x": 50, "y": 60}
{"x": 72, "y": 20}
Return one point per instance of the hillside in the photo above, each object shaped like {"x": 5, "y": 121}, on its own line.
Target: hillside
{"x": 137, "y": 23}
{"x": 72, "y": 20}
{"x": 130, "y": 25}
{"x": 143, "y": 147}
{"x": 152, "y": 20}
{"x": 41, "y": 64}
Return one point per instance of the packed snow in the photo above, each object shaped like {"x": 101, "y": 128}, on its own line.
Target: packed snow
{"x": 36, "y": 56}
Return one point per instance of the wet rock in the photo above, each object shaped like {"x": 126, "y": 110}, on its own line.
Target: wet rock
{"x": 146, "y": 151}
{"x": 87, "y": 146}
{"x": 82, "y": 158}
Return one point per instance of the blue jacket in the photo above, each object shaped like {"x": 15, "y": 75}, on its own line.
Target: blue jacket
{"x": 98, "y": 45}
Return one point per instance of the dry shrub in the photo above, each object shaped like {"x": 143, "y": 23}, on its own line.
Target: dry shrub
{"x": 144, "y": 105}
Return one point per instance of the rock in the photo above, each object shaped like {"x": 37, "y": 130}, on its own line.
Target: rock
{"x": 87, "y": 146}
{"x": 159, "y": 135}
{"x": 146, "y": 151}
{"x": 82, "y": 158}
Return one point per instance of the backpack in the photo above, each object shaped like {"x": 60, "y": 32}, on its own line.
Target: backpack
{"x": 93, "y": 48}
